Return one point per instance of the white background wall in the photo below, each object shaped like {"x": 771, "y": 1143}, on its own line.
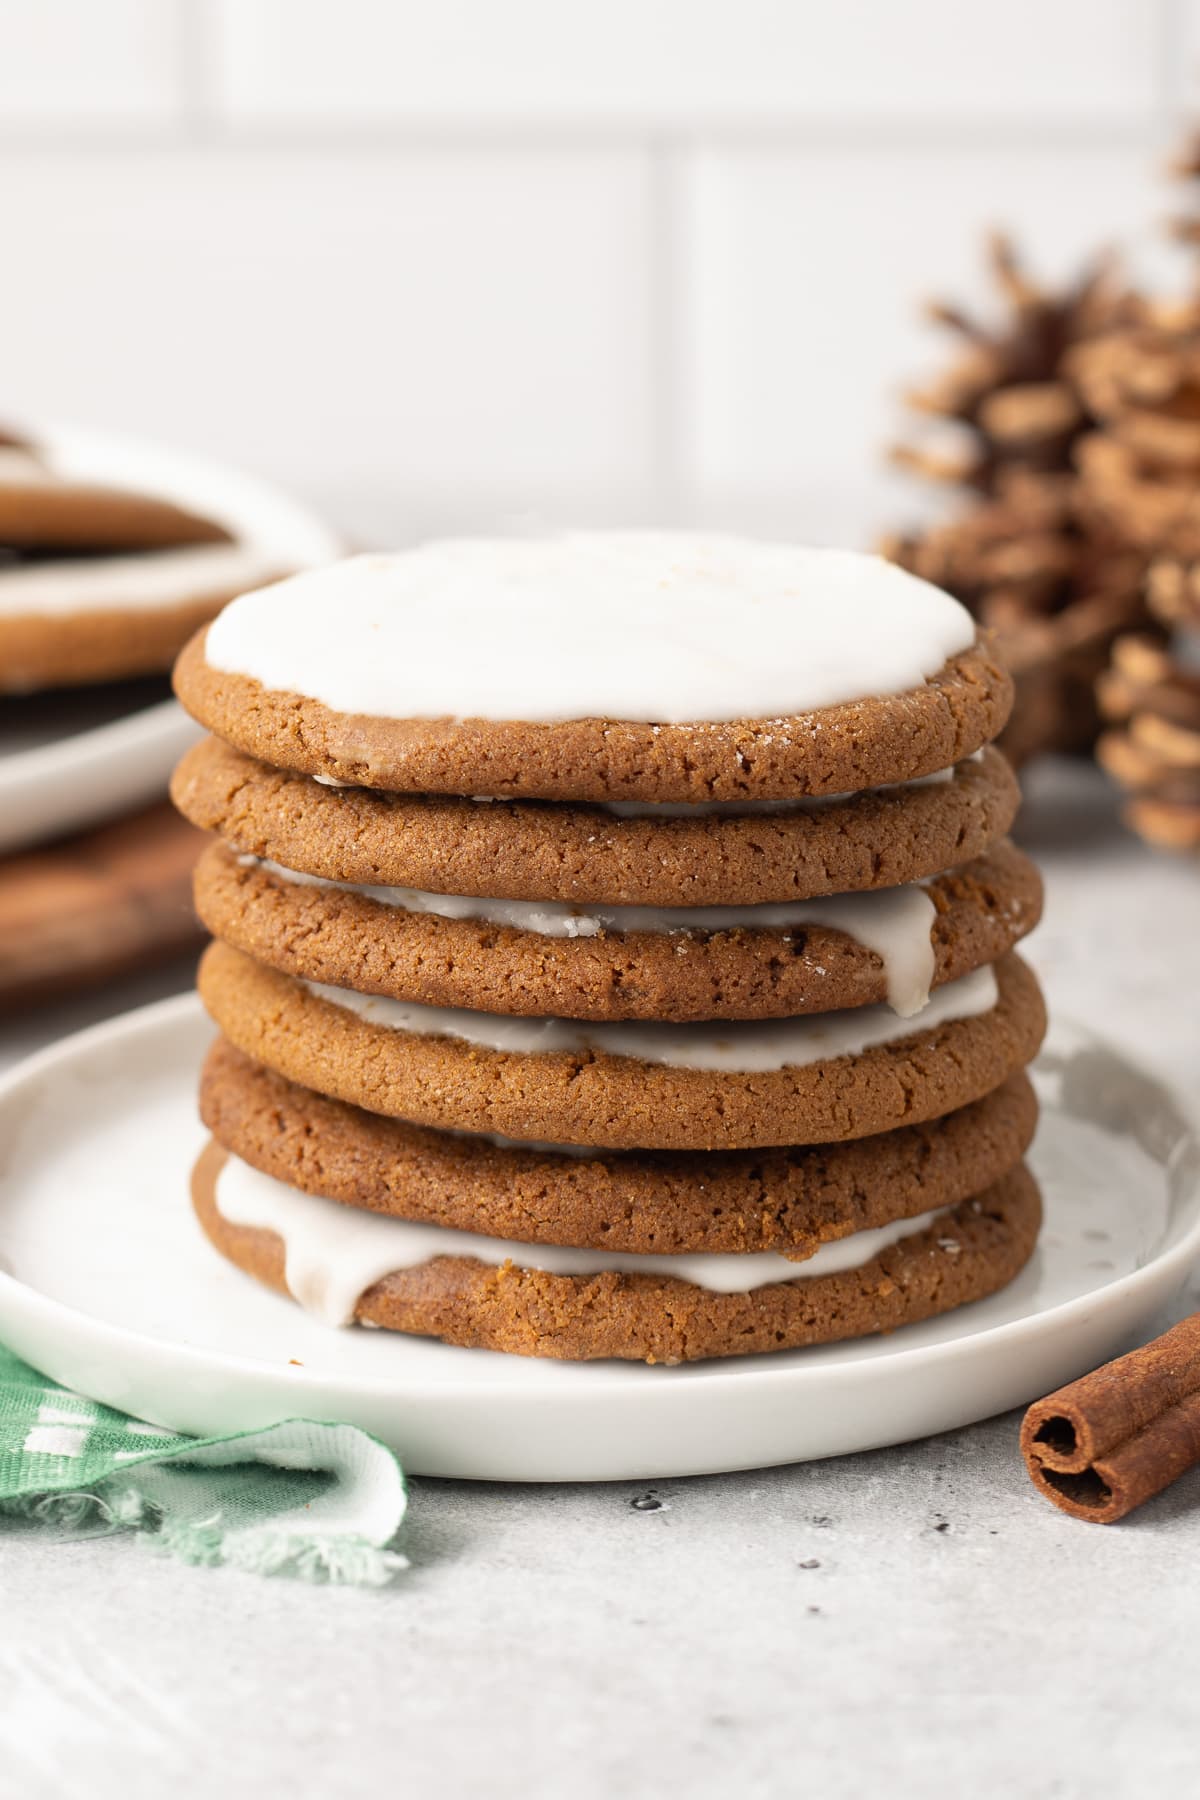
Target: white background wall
{"x": 476, "y": 262}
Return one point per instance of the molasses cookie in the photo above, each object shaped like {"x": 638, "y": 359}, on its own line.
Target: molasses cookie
{"x": 44, "y": 508}
{"x": 605, "y": 667}
{"x": 818, "y": 1079}
{"x": 540, "y": 1300}
{"x": 530, "y": 957}
{"x": 111, "y": 618}
{"x": 534, "y": 850}
{"x": 788, "y": 1200}
{"x": 117, "y": 553}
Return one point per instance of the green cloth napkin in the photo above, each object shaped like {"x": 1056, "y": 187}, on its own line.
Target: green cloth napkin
{"x": 319, "y": 1501}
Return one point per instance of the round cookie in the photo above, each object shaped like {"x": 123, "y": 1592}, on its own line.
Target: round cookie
{"x": 886, "y": 1072}
{"x": 611, "y": 666}
{"x": 968, "y": 1252}
{"x": 538, "y": 851}
{"x": 42, "y": 508}
{"x": 795, "y": 964}
{"x": 171, "y": 539}
{"x": 857, "y": 744}
{"x": 789, "y": 1200}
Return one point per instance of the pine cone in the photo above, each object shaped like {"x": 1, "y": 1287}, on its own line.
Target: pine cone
{"x": 1151, "y": 693}
{"x": 1005, "y": 392}
{"x": 1141, "y": 471}
{"x": 1048, "y": 574}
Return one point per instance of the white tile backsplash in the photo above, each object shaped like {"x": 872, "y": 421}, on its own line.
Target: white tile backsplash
{"x": 671, "y": 62}
{"x": 85, "y": 63}
{"x": 1182, "y": 57}
{"x": 425, "y": 323}
{"x": 494, "y": 261}
{"x": 803, "y": 275}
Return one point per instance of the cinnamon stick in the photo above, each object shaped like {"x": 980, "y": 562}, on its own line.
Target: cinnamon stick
{"x": 1117, "y": 1437}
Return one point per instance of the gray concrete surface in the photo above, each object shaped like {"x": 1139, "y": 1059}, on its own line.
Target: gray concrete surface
{"x": 910, "y": 1622}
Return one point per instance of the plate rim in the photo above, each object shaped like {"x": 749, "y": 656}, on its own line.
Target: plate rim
{"x": 182, "y": 1011}
{"x": 142, "y": 729}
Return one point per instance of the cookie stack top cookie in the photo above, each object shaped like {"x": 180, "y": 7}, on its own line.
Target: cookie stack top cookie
{"x": 629, "y": 857}
{"x": 375, "y": 678}
{"x": 602, "y": 668}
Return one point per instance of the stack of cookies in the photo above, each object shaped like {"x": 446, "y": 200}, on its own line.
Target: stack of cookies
{"x": 615, "y": 947}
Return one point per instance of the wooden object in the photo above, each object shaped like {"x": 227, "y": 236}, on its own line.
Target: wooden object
{"x": 1049, "y": 575}
{"x": 95, "y": 906}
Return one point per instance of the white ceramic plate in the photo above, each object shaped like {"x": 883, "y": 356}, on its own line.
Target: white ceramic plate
{"x": 111, "y": 1288}
{"x": 76, "y": 759}
{"x": 83, "y": 760}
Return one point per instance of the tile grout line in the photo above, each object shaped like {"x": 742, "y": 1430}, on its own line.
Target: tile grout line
{"x": 194, "y": 53}
{"x": 195, "y": 64}
{"x": 666, "y": 303}
{"x": 1168, "y": 74}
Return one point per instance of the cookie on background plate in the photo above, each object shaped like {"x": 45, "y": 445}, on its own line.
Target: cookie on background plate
{"x": 112, "y": 553}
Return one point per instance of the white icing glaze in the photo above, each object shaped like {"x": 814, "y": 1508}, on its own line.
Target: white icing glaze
{"x": 645, "y": 626}
{"x": 738, "y": 1047}
{"x": 129, "y": 583}
{"x": 526, "y": 1144}
{"x": 334, "y": 1253}
{"x": 894, "y": 922}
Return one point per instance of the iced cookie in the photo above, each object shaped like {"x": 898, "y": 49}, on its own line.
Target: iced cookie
{"x": 119, "y": 552}
{"x": 634, "y": 856}
{"x": 110, "y": 618}
{"x": 668, "y": 963}
{"x": 789, "y": 1200}
{"x": 816, "y": 1079}
{"x": 44, "y": 507}
{"x": 544, "y": 1300}
{"x": 608, "y": 667}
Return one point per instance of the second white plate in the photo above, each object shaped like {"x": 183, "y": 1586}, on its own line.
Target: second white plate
{"x": 57, "y": 777}
{"x": 111, "y": 1288}
{"x": 75, "y": 759}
